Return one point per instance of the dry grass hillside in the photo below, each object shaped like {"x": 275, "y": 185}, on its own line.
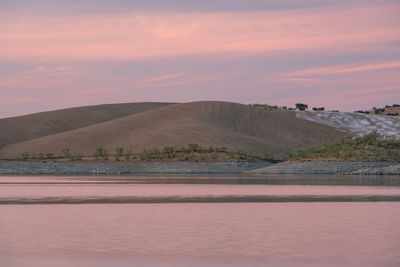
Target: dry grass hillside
{"x": 22, "y": 128}
{"x": 209, "y": 124}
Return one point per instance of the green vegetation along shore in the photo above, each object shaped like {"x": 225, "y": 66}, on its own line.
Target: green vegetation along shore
{"x": 190, "y": 152}
{"x": 370, "y": 147}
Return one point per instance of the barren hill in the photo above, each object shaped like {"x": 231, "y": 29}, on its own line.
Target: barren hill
{"x": 22, "y": 128}
{"x": 208, "y": 124}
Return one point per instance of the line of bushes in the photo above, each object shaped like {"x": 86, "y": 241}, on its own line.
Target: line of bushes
{"x": 65, "y": 154}
{"x": 190, "y": 152}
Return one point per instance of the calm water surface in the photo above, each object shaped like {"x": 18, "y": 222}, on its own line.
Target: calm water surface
{"x": 290, "y": 233}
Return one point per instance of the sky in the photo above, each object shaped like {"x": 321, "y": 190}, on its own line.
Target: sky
{"x": 342, "y": 54}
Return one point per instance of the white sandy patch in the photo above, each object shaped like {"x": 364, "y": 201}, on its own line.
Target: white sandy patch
{"x": 356, "y": 123}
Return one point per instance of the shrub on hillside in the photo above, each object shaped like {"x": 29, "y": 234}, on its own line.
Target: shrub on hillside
{"x": 119, "y": 151}
{"x": 101, "y": 153}
{"x": 128, "y": 155}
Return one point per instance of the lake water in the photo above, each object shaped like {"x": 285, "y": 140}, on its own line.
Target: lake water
{"x": 200, "y": 221}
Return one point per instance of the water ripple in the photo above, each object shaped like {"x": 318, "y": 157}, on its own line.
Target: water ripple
{"x": 199, "y": 199}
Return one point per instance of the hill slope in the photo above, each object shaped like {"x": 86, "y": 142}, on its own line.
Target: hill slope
{"x": 208, "y": 124}
{"x": 22, "y": 128}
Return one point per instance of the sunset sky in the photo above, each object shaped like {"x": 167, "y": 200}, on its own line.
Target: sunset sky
{"x": 342, "y": 54}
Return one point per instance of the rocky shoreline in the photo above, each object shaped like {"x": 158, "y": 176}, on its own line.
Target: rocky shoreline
{"x": 320, "y": 167}
{"x": 389, "y": 170}
{"x": 126, "y": 168}
{"x": 219, "y": 168}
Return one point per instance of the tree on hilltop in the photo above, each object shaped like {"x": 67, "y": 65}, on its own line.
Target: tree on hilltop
{"x": 301, "y": 106}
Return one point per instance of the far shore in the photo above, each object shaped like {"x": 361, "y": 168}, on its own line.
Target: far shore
{"x": 259, "y": 168}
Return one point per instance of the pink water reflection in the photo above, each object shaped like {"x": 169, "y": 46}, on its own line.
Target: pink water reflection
{"x": 253, "y": 234}
{"x": 79, "y": 190}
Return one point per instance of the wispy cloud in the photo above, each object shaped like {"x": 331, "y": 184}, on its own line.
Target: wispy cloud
{"x": 40, "y": 76}
{"x": 295, "y": 80}
{"x": 47, "y": 69}
{"x": 374, "y": 90}
{"x": 314, "y": 51}
{"x": 161, "y": 78}
{"x": 168, "y": 80}
{"x": 193, "y": 80}
{"x": 343, "y": 69}
{"x": 338, "y": 75}
{"x": 98, "y": 6}
{"x": 164, "y": 34}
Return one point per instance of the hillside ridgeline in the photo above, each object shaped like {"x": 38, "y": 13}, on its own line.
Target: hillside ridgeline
{"x": 208, "y": 124}
{"x": 18, "y": 129}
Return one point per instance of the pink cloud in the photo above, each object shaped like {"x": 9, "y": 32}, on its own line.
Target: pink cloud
{"x": 162, "y": 81}
{"x": 18, "y": 99}
{"x": 344, "y": 77}
{"x": 152, "y": 34}
{"x": 40, "y": 76}
{"x": 388, "y": 77}
{"x": 307, "y": 80}
{"x": 345, "y": 69}
{"x": 46, "y": 69}
{"x": 162, "y": 78}
{"x": 374, "y": 90}
{"x": 200, "y": 79}
{"x": 366, "y": 101}
{"x": 58, "y": 43}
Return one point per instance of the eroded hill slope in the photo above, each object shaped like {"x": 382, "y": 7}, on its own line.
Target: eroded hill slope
{"x": 22, "y": 128}
{"x": 208, "y": 124}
